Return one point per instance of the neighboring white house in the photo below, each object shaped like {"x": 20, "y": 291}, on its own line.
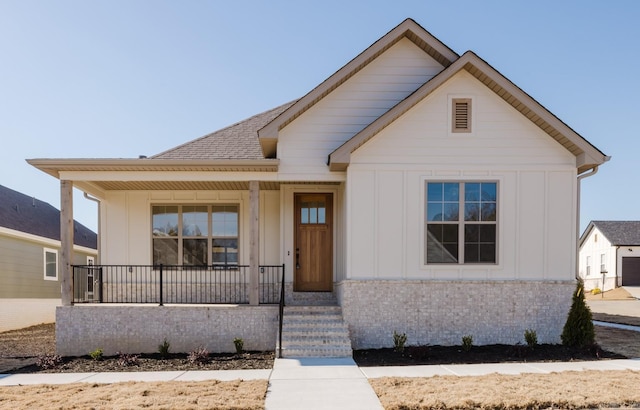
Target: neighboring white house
{"x": 29, "y": 256}
{"x": 422, "y": 188}
{"x": 610, "y": 255}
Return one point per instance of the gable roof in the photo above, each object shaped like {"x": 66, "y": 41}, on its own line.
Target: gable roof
{"x": 237, "y": 141}
{"x": 29, "y": 215}
{"x": 619, "y": 233}
{"x": 407, "y": 29}
{"x": 587, "y": 155}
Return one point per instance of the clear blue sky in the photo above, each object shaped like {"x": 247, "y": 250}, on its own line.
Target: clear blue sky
{"x": 117, "y": 79}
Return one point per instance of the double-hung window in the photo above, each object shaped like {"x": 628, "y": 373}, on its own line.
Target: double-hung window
{"x": 195, "y": 234}
{"x": 461, "y": 222}
{"x": 50, "y": 264}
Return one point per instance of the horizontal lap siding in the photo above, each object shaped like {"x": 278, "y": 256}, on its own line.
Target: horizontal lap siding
{"x": 22, "y": 271}
{"x": 309, "y": 139}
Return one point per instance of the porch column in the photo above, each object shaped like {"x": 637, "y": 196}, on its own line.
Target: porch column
{"x": 66, "y": 241}
{"x": 254, "y": 248}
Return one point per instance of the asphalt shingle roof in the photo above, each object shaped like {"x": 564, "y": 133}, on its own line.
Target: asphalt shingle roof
{"x": 30, "y": 215}
{"x": 620, "y": 233}
{"x": 238, "y": 141}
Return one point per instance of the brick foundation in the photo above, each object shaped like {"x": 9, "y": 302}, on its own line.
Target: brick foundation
{"x": 440, "y": 313}
{"x": 140, "y": 329}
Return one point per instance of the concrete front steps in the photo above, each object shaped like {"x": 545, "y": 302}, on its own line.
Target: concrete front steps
{"x": 315, "y": 331}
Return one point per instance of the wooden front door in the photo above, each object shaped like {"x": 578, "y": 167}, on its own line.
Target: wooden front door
{"x": 314, "y": 243}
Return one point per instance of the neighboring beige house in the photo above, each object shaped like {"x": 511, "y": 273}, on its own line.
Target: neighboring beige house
{"x": 419, "y": 190}
{"x": 610, "y": 255}
{"x": 29, "y": 256}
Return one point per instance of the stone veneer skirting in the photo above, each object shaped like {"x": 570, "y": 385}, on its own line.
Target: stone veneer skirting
{"x": 442, "y": 312}
{"x": 140, "y": 329}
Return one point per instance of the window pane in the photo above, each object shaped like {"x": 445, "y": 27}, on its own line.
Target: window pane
{"x": 479, "y": 243}
{"x": 194, "y": 221}
{"x": 194, "y": 252}
{"x": 472, "y": 192}
{"x": 451, "y": 192}
{"x": 165, "y": 251}
{"x": 225, "y": 251}
{"x": 225, "y": 221}
{"x": 489, "y": 211}
{"x": 313, "y": 214}
{"x": 304, "y": 214}
{"x": 51, "y": 262}
{"x": 165, "y": 221}
{"x": 434, "y": 191}
{"x": 322, "y": 215}
{"x": 451, "y": 211}
{"x": 489, "y": 191}
{"x": 472, "y": 211}
{"x": 442, "y": 243}
{"x": 434, "y": 211}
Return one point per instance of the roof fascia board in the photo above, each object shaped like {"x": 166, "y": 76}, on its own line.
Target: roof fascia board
{"x": 41, "y": 240}
{"x": 55, "y": 167}
{"x": 339, "y": 159}
{"x": 407, "y": 28}
{"x": 191, "y": 176}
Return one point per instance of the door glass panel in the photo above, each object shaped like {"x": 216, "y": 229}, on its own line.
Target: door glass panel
{"x": 313, "y": 213}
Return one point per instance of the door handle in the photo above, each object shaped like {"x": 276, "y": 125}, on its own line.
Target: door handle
{"x": 297, "y": 258}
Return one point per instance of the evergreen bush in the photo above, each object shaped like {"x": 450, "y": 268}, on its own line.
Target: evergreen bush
{"x": 578, "y": 330}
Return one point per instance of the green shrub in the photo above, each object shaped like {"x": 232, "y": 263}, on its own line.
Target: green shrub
{"x": 97, "y": 354}
{"x": 578, "y": 331}
{"x": 467, "y": 342}
{"x": 531, "y": 337}
{"x": 239, "y": 344}
{"x": 399, "y": 341}
{"x": 163, "y": 348}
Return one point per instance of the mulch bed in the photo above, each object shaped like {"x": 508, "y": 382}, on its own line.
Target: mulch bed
{"x": 425, "y": 355}
{"x": 155, "y": 362}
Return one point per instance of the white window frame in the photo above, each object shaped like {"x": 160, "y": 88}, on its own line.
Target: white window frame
{"x": 45, "y": 251}
{"x": 588, "y": 264}
{"x": 603, "y": 258}
{"x": 210, "y": 237}
{"x": 460, "y": 222}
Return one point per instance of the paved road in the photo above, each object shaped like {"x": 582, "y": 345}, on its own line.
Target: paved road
{"x": 630, "y": 307}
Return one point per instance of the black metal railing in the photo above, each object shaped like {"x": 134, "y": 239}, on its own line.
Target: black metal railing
{"x": 175, "y": 284}
{"x": 280, "y": 315}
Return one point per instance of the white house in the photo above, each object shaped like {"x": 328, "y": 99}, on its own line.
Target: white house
{"x": 419, "y": 190}
{"x": 610, "y": 255}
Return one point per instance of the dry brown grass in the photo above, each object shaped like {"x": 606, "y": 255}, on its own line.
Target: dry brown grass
{"x": 231, "y": 395}
{"x": 588, "y": 389}
{"x": 613, "y": 294}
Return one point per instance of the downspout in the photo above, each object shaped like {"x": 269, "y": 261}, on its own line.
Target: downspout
{"x": 589, "y": 173}
{"x": 97, "y": 201}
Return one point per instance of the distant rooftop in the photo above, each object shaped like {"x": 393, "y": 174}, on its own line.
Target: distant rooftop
{"x": 620, "y": 233}
{"x": 27, "y": 214}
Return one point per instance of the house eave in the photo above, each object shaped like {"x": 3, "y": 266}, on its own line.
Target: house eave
{"x": 54, "y": 167}
{"x": 407, "y": 29}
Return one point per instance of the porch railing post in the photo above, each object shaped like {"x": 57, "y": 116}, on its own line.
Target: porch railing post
{"x": 254, "y": 250}
{"x": 161, "y": 280}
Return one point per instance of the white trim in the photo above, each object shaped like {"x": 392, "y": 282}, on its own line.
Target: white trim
{"x": 12, "y": 233}
{"x": 45, "y": 251}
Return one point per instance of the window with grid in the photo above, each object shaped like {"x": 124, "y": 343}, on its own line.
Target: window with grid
{"x": 461, "y": 222}
{"x": 195, "y": 234}
{"x": 50, "y": 264}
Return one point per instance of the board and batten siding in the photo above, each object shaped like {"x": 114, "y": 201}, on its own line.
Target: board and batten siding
{"x": 126, "y": 221}
{"x": 536, "y": 191}
{"x": 305, "y": 143}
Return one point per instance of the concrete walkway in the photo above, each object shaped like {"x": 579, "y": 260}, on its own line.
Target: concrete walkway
{"x": 313, "y": 383}
{"x": 319, "y": 383}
